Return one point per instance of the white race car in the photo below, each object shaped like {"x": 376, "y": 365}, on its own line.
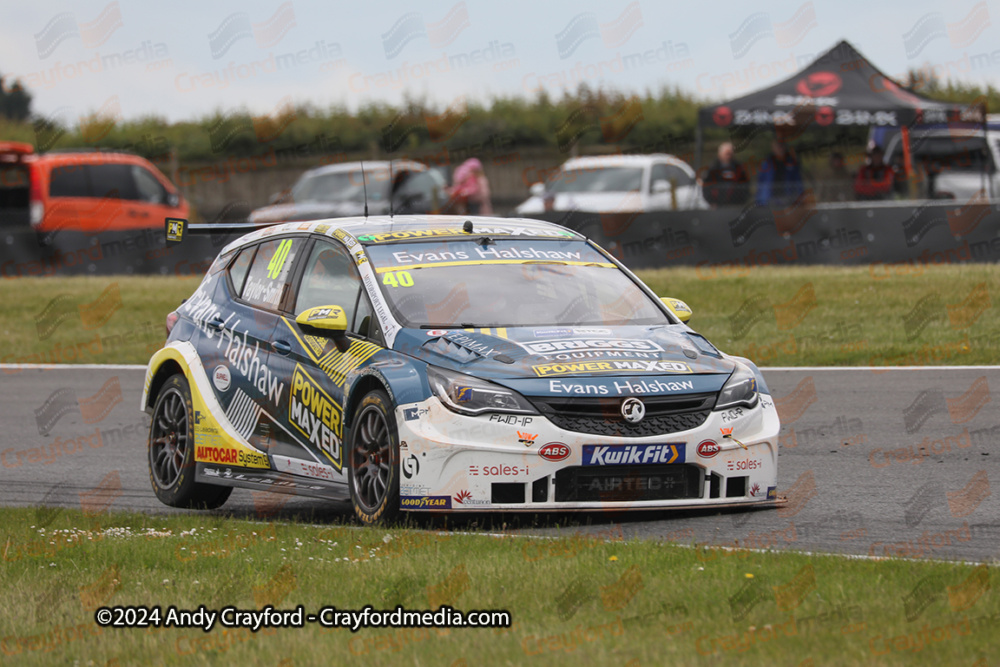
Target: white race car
{"x": 448, "y": 364}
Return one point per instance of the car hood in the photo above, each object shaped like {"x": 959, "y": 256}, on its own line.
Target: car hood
{"x": 601, "y": 202}
{"x": 310, "y": 210}
{"x": 543, "y": 361}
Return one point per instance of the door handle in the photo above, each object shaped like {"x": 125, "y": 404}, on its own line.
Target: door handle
{"x": 281, "y": 347}
{"x": 216, "y": 323}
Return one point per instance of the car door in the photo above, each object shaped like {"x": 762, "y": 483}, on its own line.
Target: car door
{"x": 683, "y": 192}
{"x": 113, "y": 194}
{"x": 239, "y": 356}
{"x": 311, "y": 439}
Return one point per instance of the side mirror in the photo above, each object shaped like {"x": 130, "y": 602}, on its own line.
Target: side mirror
{"x": 173, "y": 199}
{"x": 661, "y": 187}
{"x": 678, "y": 308}
{"x": 327, "y": 319}
{"x": 537, "y": 190}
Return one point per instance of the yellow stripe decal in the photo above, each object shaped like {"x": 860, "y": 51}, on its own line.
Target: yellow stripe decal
{"x": 387, "y": 269}
{"x": 296, "y": 334}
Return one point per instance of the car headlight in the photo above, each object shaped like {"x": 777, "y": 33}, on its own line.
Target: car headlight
{"x": 471, "y": 396}
{"x": 740, "y": 389}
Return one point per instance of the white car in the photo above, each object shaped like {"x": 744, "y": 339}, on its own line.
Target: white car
{"x": 339, "y": 190}
{"x": 618, "y": 184}
{"x": 444, "y": 363}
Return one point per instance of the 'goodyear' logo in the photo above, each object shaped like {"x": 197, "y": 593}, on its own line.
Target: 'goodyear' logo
{"x": 630, "y": 365}
{"x": 316, "y": 415}
{"x": 425, "y": 502}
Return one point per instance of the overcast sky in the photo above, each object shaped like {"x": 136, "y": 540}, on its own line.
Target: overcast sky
{"x": 185, "y": 59}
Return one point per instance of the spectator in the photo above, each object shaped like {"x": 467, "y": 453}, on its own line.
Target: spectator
{"x": 839, "y": 185}
{"x": 726, "y": 183}
{"x": 471, "y": 189}
{"x": 875, "y": 179}
{"x": 779, "y": 182}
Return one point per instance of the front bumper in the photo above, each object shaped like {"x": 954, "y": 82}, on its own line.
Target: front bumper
{"x": 451, "y": 462}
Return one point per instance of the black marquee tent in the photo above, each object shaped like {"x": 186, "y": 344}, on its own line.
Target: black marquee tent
{"x": 839, "y": 88}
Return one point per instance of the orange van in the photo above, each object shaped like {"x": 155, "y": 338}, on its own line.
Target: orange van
{"x": 89, "y": 191}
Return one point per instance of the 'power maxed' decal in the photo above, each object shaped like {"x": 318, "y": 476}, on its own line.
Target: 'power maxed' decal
{"x": 315, "y": 415}
{"x": 608, "y": 455}
{"x": 404, "y": 235}
{"x": 617, "y": 366}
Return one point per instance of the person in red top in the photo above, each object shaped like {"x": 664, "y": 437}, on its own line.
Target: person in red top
{"x": 875, "y": 179}
{"x": 726, "y": 183}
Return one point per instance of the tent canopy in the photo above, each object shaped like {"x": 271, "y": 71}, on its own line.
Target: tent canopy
{"x": 841, "y": 87}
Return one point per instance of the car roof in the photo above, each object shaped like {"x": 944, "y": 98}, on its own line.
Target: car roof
{"x": 380, "y": 229}
{"x": 375, "y": 165}
{"x": 69, "y": 157}
{"x": 596, "y": 161}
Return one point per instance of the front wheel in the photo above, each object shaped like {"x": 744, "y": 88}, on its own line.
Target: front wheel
{"x": 171, "y": 451}
{"x": 373, "y": 460}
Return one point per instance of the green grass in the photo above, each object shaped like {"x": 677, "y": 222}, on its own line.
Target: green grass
{"x": 573, "y": 600}
{"x": 840, "y": 316}
{"x": 791, "y": 316}
{"x": 103, "y": 320}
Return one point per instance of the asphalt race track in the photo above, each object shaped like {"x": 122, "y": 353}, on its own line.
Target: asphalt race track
{"x": 897, "y": 462}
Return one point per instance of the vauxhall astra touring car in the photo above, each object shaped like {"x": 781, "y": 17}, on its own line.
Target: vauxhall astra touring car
{"x": 434, "y": 363}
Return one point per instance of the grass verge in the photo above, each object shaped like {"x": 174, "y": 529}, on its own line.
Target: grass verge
{"x": 875, "y": 315}
{"x": 573, "y": 600}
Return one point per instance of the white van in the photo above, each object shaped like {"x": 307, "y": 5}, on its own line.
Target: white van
{"x": 952, "y": 162}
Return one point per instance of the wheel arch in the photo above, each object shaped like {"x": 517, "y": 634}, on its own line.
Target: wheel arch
{"x": 164, "y": 372}
{"x": 361, "y": 388}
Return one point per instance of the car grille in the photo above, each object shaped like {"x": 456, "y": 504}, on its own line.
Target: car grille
{"x": 602, "y": 416}
{"x": 622, "y": 484}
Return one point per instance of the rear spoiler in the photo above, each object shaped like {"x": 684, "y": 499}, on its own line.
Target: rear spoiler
{"x": 176, "y": 229}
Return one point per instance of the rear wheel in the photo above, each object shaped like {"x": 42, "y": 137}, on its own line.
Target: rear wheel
{"x": 373, "y": 460}
{"x": 171, "y": 451}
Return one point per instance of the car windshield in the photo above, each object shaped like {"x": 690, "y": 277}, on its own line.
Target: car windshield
{"x": 508, "y": 283}
{"x": 602, "y": 179}
{"x": 958, "y": 151}
{"x": 341, "y": 186}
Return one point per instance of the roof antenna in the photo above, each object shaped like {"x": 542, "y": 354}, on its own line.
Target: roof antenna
{"x": 390, "y": 189}
{"x": 364, "y": 185}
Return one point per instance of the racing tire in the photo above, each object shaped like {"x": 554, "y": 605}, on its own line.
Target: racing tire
{"x": 373, "y": 460}
{"x": 171, "y": 451}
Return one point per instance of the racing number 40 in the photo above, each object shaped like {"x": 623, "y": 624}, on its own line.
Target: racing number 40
{"x": 278, "y": 261}
{"x": 398, "y": 279}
